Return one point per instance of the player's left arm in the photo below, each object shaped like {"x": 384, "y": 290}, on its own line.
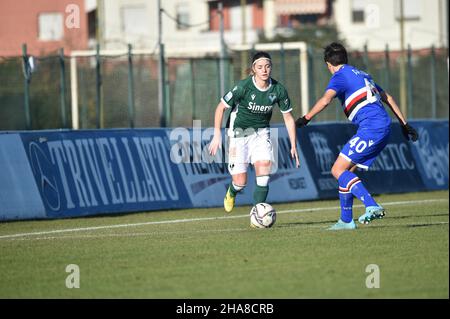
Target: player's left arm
{"x": 320, "y": 105}
{"x": 408, "y": 131}
{"x": 284, "y": 103}
{"x": 389, "y": 101}
{"x": 292, "y": 132}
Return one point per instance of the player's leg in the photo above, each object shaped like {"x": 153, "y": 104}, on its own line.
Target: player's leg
{"x": 350, "y": 185}
{"x": 262, "y": 170}
{"x": 237, "y": 167}
{"x": 345, "y": 196}
{"x": 362, "y": 149}
{"x": 237, "y": 184}
{"x": 260, "y": 151}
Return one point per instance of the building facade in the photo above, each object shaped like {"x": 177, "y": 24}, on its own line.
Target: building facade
{"x": 195, "y": 24}
{"x": 44, "y": 25}
{"x": 376, "y": 23}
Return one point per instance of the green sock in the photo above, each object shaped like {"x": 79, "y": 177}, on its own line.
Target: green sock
{"x": 260, "y": 194}
{"x": 233, "y": 191}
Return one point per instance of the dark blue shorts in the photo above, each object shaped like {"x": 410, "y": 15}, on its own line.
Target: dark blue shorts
{"x": 364, "y": 147}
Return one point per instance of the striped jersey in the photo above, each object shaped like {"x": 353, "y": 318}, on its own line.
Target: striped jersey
{"x": 360, "y": 97}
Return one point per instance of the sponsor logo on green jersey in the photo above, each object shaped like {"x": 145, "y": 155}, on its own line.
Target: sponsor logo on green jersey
{"x": 252, "y": 106}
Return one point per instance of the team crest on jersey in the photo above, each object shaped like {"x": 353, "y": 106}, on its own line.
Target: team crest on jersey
{"x": 272, "y": 97}
{"x": 253, "y": 96}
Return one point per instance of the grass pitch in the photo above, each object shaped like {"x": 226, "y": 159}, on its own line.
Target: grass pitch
{"x": 204, "y": 253}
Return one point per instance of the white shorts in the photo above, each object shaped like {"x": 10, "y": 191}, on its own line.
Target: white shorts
{"x": 248, "y": 150}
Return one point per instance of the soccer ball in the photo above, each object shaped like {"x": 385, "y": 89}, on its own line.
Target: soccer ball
{"x": 262, "y": 215}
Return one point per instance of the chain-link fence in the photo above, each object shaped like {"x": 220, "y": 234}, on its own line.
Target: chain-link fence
{"x": 120, "y": 91}
{"x": 194, "y": 89}
{"x": 117, "y": 92}
{"x": 426, "y": 80}
{"x": 38, "y": 99}
{"x": 12, "y": 113}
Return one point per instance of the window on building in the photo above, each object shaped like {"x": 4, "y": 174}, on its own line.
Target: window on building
{"x": 411, "y": 9}
{"x": 358, "y": 9}
{"x": 182, "y": 16}
{"x": 51, "y": 26}
{"x": 135, "y": 20}
{"x": 236, "y": 17}
{"x": 92, "y": 24}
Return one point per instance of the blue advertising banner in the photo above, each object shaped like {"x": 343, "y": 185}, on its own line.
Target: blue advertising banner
{"x": 431, "y": 153}
{"x": 207, "y": 178}
{"x": 92, "y": 172}
{"x": 56, "y": 174}
{"x": 321, "y": 144}
{"x": 19, "y": 195}
{"x": 394, "y": 170}
{"x": 403, "y": 166}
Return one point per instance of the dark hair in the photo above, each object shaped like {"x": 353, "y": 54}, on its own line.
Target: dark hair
{"x": 259, "y": 55}
{"x": 335, "y": 54}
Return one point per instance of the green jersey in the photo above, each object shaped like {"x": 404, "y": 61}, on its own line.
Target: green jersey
{"x": 252, "y": 107}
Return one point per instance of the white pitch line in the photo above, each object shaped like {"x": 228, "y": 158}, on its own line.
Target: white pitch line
{"x": 173, "y": 221}
{"x": 119, "y": 235}
{"x": 133, "y": 234}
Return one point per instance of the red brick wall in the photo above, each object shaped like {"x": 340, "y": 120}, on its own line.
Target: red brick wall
{"x": 258, "y": 15}
{"x": 214, "y": 24}
{"x": 19, "y": 24}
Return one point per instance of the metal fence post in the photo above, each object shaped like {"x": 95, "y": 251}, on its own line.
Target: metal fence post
{"x": 387, "y": 71}
{"x": 98, "y": 83}
{"x": 130, "y": 87}
{"x": 433, "y": 82}
{"x": 219, "y": 78}
{"x": 410, "y": 82}
{"x": 304, "y": 83}
{"x": 74, "y": 93}
{"x": 244, "y": 53}
{"x": 366, "y": 59}
{"x": 191, "y": 64}
{"x": 223, "y": 52}
{"x": 62, "y": 88}
{"x": 252, "y": 53}
{"x": 167, "y": 102}
{"x": 282, "y": 64}
{"x": 311, "y": 80}
{"x": 162, "y": 86}
{"x": 27, "y": 77}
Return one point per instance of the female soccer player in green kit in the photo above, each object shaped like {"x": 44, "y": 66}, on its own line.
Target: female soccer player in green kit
{"x": 251, "y": 102}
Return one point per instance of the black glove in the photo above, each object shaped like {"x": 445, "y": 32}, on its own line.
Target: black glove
{"x": 409, "y": 132}
{"x": 302, "y": 121}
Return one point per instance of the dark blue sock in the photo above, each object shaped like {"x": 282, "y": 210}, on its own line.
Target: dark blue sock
{"x": 346, "y": 206}
{"x": 350, "y": 182}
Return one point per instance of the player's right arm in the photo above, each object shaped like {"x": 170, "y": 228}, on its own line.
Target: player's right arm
{"x": 407, "y": 130}
{"x": 228, "y": 100}
{"x": 216, "y": 141}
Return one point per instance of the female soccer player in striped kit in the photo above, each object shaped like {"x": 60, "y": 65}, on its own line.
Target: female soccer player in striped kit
{"x": 252, "y": 101}
{"x": 361, "y": 99}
